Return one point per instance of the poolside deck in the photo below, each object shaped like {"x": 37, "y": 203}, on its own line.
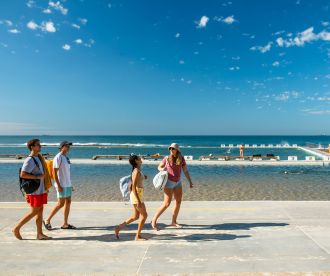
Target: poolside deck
{"x": 218, "y": 237}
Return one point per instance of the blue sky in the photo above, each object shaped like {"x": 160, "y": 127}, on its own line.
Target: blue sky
{"x": 165, "y": 67}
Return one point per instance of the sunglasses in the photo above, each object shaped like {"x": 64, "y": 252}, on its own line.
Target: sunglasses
{"x": 172, "y": 149}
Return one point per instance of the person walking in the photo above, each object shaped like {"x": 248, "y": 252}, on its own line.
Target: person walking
{"x": 174, "y": 164}
{"x": 136, "y": 199}
{"x": 34, "y": 168}
{"x": 63, "y": 185}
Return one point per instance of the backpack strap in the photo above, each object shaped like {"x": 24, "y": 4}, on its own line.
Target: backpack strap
{"x": 35, "y": 162}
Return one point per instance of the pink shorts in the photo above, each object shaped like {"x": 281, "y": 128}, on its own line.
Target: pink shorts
{"x": 37, "y": 200}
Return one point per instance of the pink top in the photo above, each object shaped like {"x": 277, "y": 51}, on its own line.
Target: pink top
{"x": 174, "y": 170}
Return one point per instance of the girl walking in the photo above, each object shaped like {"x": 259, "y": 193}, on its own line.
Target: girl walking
{"x": 136, "y": 198}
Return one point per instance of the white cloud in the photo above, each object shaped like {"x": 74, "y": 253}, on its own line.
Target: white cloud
{"x": 90, "y": 43}
{"x": 75, "y": 26}
{"x": 236, "y": 58}
{"x": 227, "y": 20}
{"x": 306, "y": 36}
{"x": 83, "y": 21}
{"x": 177, "y": 35}
{"x": 6, "y": 22}
{"x": 58, "y": 6}
{"x": 181, "y": 61}
{"x": 325, "y": 23}
{"x": 32, "y": 25}
{"x": 66, "y": 47}
{"x": 276, "y": 64}
{"x": 14, "y": 31}
{"x": 234, "y": 68}
{"x": 262, "y": 49}
{"x": 48, "y": 27}
{"x": 283, "y": 97}
{"x": 30, "y": 3}
{"x": 78, "y": 41}
{"x": 203, "y": 22}
{"x": 47, "y": 11}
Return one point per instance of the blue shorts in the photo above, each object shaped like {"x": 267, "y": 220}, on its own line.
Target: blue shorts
{"x": 173, "y": 185}
{"x": 67, "y": 192}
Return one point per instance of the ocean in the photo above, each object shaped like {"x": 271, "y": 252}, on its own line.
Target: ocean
{"x": 96, "y": 182}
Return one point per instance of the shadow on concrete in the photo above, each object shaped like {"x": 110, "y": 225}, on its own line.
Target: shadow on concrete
{"x": 155, "y": 237}
{"x": 234, "y": 226}
{"x": 160, "y": 235}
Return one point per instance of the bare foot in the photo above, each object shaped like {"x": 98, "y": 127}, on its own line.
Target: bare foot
{"x": 140, "y": 238}
{"x": 177, "y": 225}
{"x": 154, "y": 225}
{"x": 17, "y": 234}
{"x": 42, "y": 237}
{"x": 117, "y": 232}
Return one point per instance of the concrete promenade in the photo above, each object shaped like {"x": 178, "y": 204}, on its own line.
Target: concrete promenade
{"x": 248, "y": 237}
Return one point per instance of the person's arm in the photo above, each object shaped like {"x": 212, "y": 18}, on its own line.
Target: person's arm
{"x": 162, "y": 165}
{"x": 56, "y": 166}
{"x": 26, "y": 175}
{"x": 60, "y": 189}
{"x": 135, "y": 176}
{"x": 186, "y": 173}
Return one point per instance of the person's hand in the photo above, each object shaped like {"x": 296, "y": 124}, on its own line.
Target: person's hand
{"x": 41, "y": 177}
{"x": 60, "y": 189}
{"x": 191, "y": 185}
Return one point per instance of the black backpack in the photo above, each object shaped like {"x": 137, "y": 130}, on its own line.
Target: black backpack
{"x": 28, "y": 186}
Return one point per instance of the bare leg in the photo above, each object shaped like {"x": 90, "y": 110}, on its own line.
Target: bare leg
{"x": 178, "y": 199}
{"x": 59, "y": 205}
{"x": 134, "y": 217}
{"x": 168, "y": 193}
{"x": 143, "y": 217}
{"x": 33, "y": 212}
{"x": 40, "y": 234}
{"x": 67, "y": 206}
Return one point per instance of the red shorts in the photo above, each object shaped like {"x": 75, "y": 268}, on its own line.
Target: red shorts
{"x": 37, "y": 200}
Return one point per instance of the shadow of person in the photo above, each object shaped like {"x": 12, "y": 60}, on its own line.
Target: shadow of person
{"x": 132, "y": 226}
{"x": 200, "y": 237}
{"x": 234, "y": 226}
{"x": 109, "y": 237}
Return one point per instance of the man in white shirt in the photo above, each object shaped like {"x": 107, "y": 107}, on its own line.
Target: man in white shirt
{"x": 63, "y": 185}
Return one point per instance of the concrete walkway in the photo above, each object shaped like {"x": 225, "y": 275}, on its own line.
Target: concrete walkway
{"x": 218, "y": 237}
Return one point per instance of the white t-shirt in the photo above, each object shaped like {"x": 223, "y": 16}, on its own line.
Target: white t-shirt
{"x": 62, "y": 163}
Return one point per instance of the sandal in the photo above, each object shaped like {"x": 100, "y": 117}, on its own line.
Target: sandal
{"x": 48, "y": 226}
{"x": 68, "y": 227}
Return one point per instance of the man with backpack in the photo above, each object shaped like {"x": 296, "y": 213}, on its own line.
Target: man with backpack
{"x": 34, "y": 183}
{"x": 63, "y": 185}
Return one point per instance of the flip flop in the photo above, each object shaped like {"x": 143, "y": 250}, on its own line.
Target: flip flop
{"x": 48, "y": 226}
{"x": 69, "y": 227}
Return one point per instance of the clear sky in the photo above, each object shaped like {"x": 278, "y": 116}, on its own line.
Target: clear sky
{"x": 165, "y": 67}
